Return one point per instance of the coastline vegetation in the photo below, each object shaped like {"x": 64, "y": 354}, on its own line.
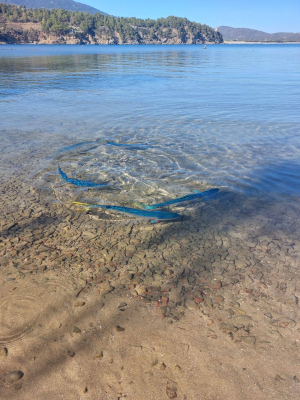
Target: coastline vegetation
{"x": 117, "y": 30}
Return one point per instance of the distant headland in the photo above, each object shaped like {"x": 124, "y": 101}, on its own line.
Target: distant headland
{"x": 19, "y": 25}
{"x": 231, "y": 35}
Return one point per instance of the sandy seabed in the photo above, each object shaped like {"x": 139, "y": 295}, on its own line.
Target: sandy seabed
{"x": 203, "y": 308}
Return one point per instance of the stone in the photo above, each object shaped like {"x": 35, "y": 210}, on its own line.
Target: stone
{"x": 13, "y": 376}
{"x": 79, "y": 303}
{"x": 248, "y": 280}
{"x": 268, "y": 315}
{"x": 191, "y": 305}
{"x": 248, "y": 339}
{"x": 99, "y": 355}
{"x": 3, "y": 351}
{"x": 228, "y": 327}
{"x": 276, "y": 334}
{"x": 242, "y": 319}
{"x": 119, "y": 328}
{"x": 163, "y": 367}
{"x": 284, "y": 323}
{"x": 171, "y": 392}
{"x": 198, "y": 299}
{"x": 71, "y": 353}
{"x": 76, "y": 329}
{"x": 219, "y": 299}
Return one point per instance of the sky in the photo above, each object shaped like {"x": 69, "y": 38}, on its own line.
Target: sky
{"x": 266, "y": 15}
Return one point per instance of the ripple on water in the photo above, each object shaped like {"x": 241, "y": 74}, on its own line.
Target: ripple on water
{"x": 39, "y": 308}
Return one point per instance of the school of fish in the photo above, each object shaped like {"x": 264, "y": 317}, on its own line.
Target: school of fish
{"x": 147, "y": 211}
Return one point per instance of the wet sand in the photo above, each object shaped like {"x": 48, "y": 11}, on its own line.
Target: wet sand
{"x": 203, "y": 308}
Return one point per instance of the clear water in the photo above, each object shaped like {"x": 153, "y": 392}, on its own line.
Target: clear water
{"x": 224, "y": 117}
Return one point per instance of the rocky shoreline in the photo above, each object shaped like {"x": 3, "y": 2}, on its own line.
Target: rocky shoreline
{"x": 39, "y": 37}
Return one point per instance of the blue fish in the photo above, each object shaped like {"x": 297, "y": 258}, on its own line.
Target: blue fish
{"x": 188, "y": 197}
{"x": 131, "y": 146}
{"x": 157, "y": 215}
{"x": 79, "y": 182}
{"x": 78, "y": 146}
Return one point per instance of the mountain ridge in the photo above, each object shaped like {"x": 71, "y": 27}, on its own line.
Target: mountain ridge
{"x": 69, "y": 5}
{"x": 253, "y": 35}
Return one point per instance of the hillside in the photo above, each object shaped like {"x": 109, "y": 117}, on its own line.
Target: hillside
{"x": 40, "y": 26}
{"x": 69, "y": 5}
{"x": 251, "y": 35}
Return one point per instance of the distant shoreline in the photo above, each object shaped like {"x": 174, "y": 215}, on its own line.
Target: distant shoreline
{"x": 241, "y": 42}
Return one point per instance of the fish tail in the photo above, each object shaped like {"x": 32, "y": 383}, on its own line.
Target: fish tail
{"x": 62, "y": 174}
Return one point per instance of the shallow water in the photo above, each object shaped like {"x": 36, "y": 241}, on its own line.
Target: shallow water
{"x": 225, "y": 117}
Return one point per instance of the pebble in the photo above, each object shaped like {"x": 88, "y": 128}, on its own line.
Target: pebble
{"x": 13, "y": 376}
{"x": 3, "y": 351}
{"x": 284, "y": 323}
{"x": 198, "y": 299}
{"x": 276, "y": 334}
{"x": 228, "y": 327}
{"x": 235, "y": 304}
{"x": 79, "y": 303}
{"x": 191, "y": 305}
{"x": 171, "y": 392}
{"x": 177, "y": 368}
{"x": 163, "y": 367}
{"x": 219, "y": 299}
{"x": 278, "y": 378}
{"x": 248, "y": 339}
{"x": 76, "y": 329}
{"x": 122, "y": 306}
{"x": 119, "y": 328}
{"x": 242, "y": 319}
{"x": 71, "y": 353}
{"x": 99, "y": 355}
{"x": 248, "y": 280}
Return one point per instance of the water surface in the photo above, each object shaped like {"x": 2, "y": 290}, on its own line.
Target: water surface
{"x": 228, "y": 116}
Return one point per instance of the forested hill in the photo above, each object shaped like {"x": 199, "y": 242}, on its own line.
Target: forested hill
{"x": 21, "y": 25}
{"x": 69, "y": 5}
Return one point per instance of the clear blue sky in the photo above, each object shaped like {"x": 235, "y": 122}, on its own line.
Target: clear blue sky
{"x": 266, "y": 15}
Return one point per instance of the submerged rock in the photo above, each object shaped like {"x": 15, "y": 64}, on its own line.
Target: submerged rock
{"x": 13, "y": 376}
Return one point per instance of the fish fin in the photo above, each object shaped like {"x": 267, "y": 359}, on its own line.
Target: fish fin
{"x": 144, "y": 206}
{"x": 62, "y": 174}
{"x": 149, "y": 207}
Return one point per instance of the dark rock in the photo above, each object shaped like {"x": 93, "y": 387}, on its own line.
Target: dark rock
{"x": 119, "y": 328}
{"x": 13, "y": 376}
